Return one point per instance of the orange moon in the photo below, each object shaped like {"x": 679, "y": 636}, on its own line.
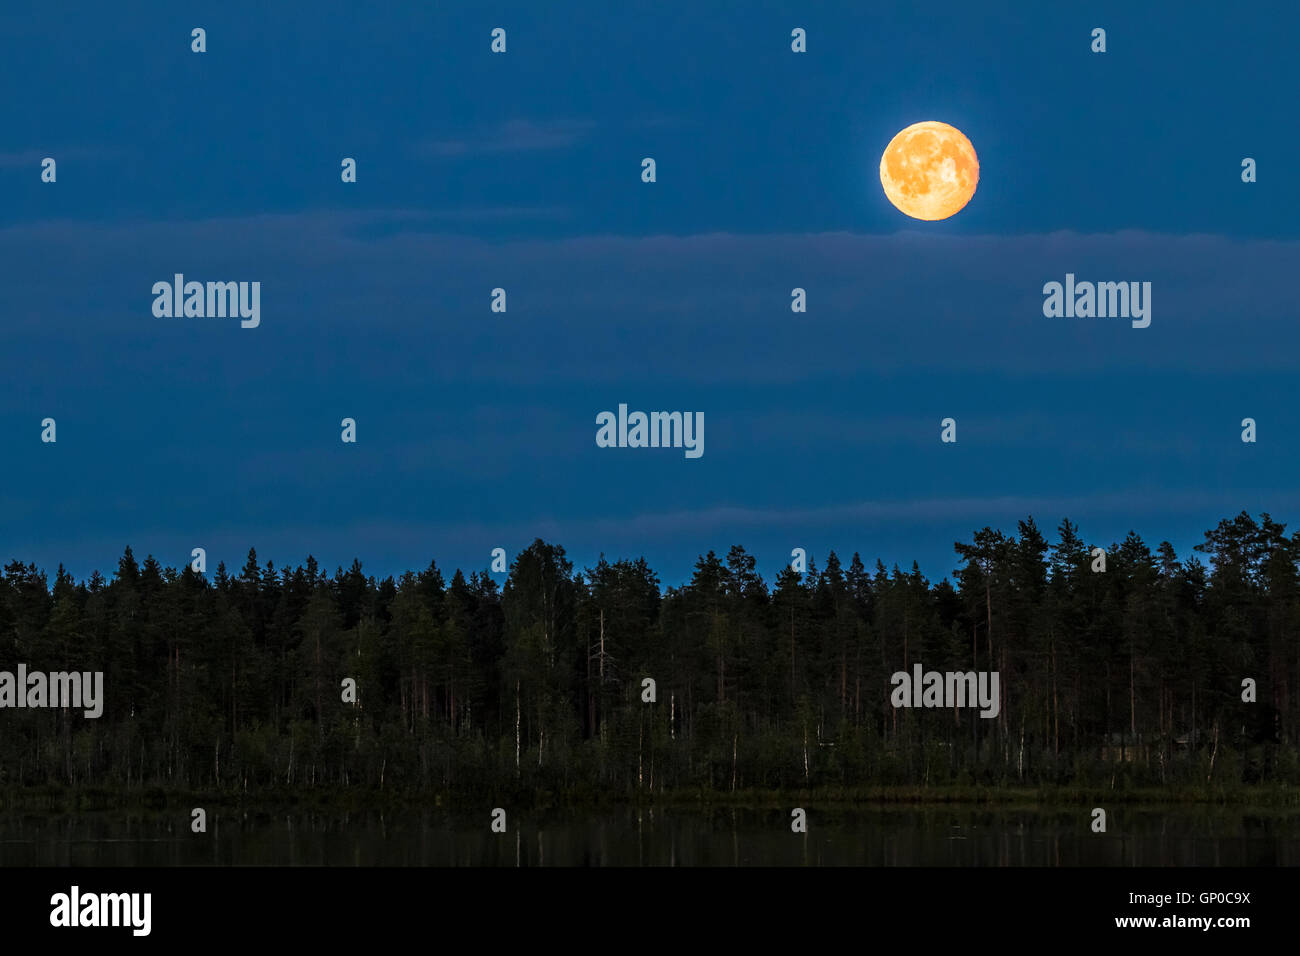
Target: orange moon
{"x": 930, "y": 170}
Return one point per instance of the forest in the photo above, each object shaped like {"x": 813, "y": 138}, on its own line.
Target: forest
{"x": 1131, "y": 677}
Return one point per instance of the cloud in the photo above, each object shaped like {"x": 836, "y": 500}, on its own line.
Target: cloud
{"x": 699, "y": 310}
{"x": 881, "y": 512}
{"x": 513, "y": 136}
{"x": 33, "y": 157}
{"x": 30, "y": 157}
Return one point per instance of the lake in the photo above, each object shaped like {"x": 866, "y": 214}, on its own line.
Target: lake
{"x": 839, "y": 835}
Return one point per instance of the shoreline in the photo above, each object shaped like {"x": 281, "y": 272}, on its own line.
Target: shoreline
{"x": 92, "y": 799}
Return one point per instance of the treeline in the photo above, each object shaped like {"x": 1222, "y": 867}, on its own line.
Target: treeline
{"x": 1124, "y": 678}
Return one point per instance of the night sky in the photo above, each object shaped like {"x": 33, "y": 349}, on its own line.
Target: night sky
{"x": 523, "y": 171}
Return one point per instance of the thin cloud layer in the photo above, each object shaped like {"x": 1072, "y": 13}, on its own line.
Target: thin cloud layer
{"x": 701, "y": 308}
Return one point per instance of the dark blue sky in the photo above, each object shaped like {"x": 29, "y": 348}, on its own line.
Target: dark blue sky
{"x": 522, "y": 170}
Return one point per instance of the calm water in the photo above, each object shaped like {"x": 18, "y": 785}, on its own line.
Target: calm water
{"x": 944, "y": 836}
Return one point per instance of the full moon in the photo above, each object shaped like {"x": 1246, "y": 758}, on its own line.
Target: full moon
{"x": 929, "y": 170}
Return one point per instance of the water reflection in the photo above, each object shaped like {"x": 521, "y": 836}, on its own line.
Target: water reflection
{"x": 662, "y": 836}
